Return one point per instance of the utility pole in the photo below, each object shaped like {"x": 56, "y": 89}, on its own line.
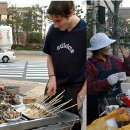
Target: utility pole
{"x": 94, "y": 16}
{"x": 44, "y": 21}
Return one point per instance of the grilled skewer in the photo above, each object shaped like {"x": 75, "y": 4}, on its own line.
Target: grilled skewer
{"x": 65, "y": 109}
{"x": 59, "y": 106}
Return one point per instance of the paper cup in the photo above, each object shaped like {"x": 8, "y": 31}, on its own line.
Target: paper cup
{"x": 122, "y": 76}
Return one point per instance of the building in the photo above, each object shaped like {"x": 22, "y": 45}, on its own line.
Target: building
{"x": 3, "y": 10}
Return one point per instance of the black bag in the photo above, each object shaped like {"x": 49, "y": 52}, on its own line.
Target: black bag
{"x": 102, "y": 103}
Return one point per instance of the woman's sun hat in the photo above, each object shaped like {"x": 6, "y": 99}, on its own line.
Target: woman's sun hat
{"x": 100, "y": 40}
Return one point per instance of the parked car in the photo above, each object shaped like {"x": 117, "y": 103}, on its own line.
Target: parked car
{"x": 7, "y": 56}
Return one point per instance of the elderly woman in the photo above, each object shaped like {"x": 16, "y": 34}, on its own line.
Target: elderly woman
{"x": 102, "y": 80}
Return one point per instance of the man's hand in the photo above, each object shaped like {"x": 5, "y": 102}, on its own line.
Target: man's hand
{"x": 81, "y": 95}
{"x": 51, "y": 86}
{"x": 124, "y": 51}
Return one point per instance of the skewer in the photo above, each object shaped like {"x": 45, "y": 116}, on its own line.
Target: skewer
{"x": 55, "y": 102}
{"x": 65, "y": 109}
{"x": 56, "y": 97}
{"x": 50, "y": 104}
{"x": 46, "y": 99}
{"x": 30, "y": 105}
{"x": 61, "y": 105}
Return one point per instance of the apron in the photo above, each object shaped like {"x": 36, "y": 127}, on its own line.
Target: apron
{"x": 92, "y": 101}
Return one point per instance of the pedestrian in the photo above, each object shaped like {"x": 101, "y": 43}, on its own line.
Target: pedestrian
{"x": 102, "y": 80}
{"x": 65, "y": 46}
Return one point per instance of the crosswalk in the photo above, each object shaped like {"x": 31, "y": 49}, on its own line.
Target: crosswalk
{"x": 12, "y": 70}
{"x": 37, "y": 70}
{"x": 25, "y": 70}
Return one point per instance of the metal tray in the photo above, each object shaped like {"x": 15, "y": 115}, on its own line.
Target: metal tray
{"x": 25, "y": 124}
{"x": 59, "y": 126}
{"x": 68, "y": 117}
{"x": 57, "y": 123}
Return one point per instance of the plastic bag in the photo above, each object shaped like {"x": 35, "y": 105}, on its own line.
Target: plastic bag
{"x": 119, "y": 115}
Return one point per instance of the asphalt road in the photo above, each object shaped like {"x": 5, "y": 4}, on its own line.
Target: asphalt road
{"x": 29, "y": 66}
{"x": 35, "y": 71}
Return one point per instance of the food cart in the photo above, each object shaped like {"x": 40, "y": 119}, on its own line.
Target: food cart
{"x": 61, "y": 121}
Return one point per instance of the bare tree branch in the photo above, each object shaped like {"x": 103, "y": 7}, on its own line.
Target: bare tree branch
{"x": 108, "y": 7}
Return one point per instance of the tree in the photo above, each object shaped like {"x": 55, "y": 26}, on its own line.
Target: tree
{"x": 89, "y": 25}
{"x": 115, "y": 29}
{"x": 78, "y": 10}
{"x": 35, "y": 38}
{"x": 14, "y": 21}
{"x": 45, "y": 20}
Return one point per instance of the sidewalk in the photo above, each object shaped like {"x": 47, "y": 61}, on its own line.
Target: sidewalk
{"x": 30, "y": 55}
{"x": 30, "y": 58}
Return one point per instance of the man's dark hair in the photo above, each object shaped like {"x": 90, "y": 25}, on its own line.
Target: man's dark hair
{"x": 60, "y": 8}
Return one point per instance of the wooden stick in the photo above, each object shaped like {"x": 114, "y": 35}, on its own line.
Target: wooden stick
{"x": 53, "y": 104}
{"x": 65, "y": 109}
{"x": 57, "y": 101}
{"x": 53, "y": 100}
{"x": 46, "y": 99}
{"x": 61, "y": 105}
{"x": 56, "y": 97}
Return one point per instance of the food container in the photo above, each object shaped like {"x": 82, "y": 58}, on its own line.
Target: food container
{"x": 1, "y": 114}
{"x": 4, "y": 107}
{"x": 28, "y": 100}
{"x": 11, "y": 89}
{"x": 13, "y": 119}
{"x": 11, "y": 114}
{"x": 2, "y": 93}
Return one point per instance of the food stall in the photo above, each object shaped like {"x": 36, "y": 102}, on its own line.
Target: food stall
{"x": 16, "y": 117}
{"x": 117, "y": 119}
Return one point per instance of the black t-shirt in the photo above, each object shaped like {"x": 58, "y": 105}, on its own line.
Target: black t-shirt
{"x": 68, "y": 51}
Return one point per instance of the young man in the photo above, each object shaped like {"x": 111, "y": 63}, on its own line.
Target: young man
{"x": 65, "y": 45}
{"x": 101, "y": 68}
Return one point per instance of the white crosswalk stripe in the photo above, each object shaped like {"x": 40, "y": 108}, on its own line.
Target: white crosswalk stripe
{"x": 10, "y": 70}
{"x": 25, "y": 70}
{"x": 37, "y": 70}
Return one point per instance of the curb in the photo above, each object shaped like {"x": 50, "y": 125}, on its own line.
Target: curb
{"x": 23, "y": 52}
